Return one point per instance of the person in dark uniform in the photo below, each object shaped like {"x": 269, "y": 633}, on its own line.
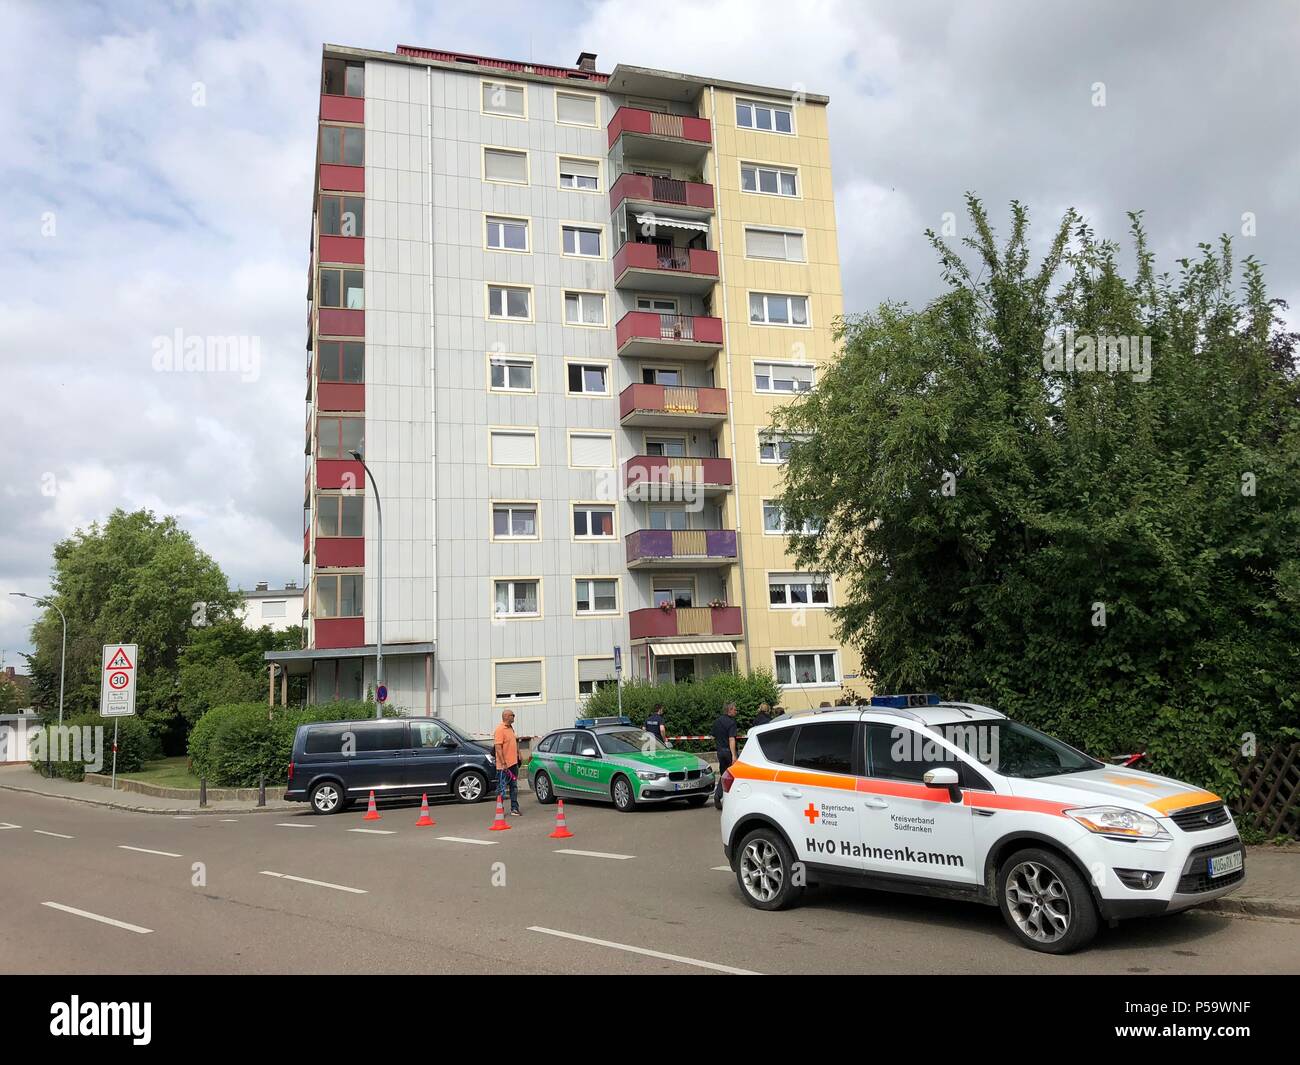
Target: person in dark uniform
{"x": 763, "y": 716}
{"x": 724, "y": 740}
{"x": 654, "y": 724}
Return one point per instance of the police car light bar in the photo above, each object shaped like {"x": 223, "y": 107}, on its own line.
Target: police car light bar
{"x": 904, "y": 702}
{"x": 592, "y": 722}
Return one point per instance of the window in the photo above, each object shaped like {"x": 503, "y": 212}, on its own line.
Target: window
{"x": 508, "y": 301}
{"x": 500, "y": 98}
{"x": 512, "y": 447}
{"x": 776, "y": 745}
{"x": 342, "y": 515}
{"x": 509, "y": 374}
{"x": 517, "y": 599}
{"x": 581, "y": 174}
{"x": 273, "y": 608}
{"x": 591, "y": 522}
{"x": 666, "y": 446}
{"x": 674, "y": 670}
{"x": 593, "y": 674}
{"x": 661, "y": 375}
{"x": 774, "y": 522}
{"x": 595, "y": 595}
{"x": 806, "y": 668}
{"x": 514, "y": 521}
{"x": 581, "y": 240}
{"x": 342, "y": 216}
{"x": 574, "y": 109}
{"x": 588, "y": 380}
{"x": 507, "y": 234}
{"x": 770, "y": 180}
{"x": 343, "y": 79}
{"x": 767, "y": 308}
{"x": 784, "y": 377}
{"x": 337, "y": 438}
{"x": 774, "y": 448}
{"x": 566, "y": 742}
{"x": 798, "y": 589}
{"x": 584, "y": 308}
{"x": 429, "y": 734}
{"x": 341, "y": 361}
{"x": 772, "y": 118}
{"x": 343, "y": 288}
{"x": 338, "y": 595}
{"x": 514, "y": 682}
{"x": 678, "y": 591}
{"x": 774, "y": 244}
{"x": 385, "y": 737}
{"x": 669, "y": 518}
{"x": 343, "y": 144}
{"x": 898, "y": 752}
{"x": 591, "y": 450}
{"x": 501, "y": 164}
{"x": 656, "y": 303}
{"x": 826, "y": 747}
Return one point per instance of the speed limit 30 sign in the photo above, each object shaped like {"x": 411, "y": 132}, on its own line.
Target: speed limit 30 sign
{"x": 117, "y": 680}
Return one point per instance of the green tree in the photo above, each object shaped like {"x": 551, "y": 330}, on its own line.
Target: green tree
{"x": 222, "y": 664}
{"x": 1108, "y": 555}
{"x": 135, "y": 579}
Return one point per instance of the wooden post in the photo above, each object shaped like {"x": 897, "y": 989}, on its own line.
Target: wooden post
{"x": 270, "y": 685}
{"x": 284, "y": 686}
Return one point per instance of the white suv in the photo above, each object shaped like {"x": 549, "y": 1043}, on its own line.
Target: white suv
{"x": 918, "y": 795}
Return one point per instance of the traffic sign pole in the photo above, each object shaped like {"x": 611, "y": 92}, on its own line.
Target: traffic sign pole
{"x": 113, "y": 782}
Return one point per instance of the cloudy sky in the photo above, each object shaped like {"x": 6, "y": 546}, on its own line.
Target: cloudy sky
{"x": 157, "y": 173}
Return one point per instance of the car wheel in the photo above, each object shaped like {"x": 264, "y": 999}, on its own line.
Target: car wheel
{"x": 327, "y": 798}
{"x": 1045, "y": 902}
{"x": 697, "y": 800}
{"x": 765, "y": 870}
{"x": 470, "y": 786}
{"x": 621, "y": 792}
{"x": 542, "y": 788}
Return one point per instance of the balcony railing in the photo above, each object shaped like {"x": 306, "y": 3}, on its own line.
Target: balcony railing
{"x": 681, "y": 546}
{"x": 671, "y": 404}
{"x": 685, "y": 129}
{"x": 668, "y": 477}
{"x": 340, "y": 632}
{"x": 641, "y": 187}
{"x": 656, "y": 623}
{"x": 643, "y": 262}
{"x": 643, "y": 333}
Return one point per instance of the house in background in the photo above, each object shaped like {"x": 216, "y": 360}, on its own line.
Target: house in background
{"x": 281, "y": 608}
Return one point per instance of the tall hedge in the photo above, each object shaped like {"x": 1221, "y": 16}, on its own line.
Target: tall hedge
{"x": 690, "y": 708}
{"x": 136, "y": 745}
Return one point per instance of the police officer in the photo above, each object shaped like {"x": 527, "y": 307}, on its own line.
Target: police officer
{"x": 724, "y": 740}
{"x": 654, "y": 724}
{"x": 763, "y": 716}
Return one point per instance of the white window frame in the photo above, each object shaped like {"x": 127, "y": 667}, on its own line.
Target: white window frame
{"x": 776, "y": 440}
{"x": 589, "y": 227}
{"x": 784, "y": 233}
{"x": 500, "y": 221}
{"x": 590, "y": 580}
{"x": 767, "y": 315}
{"x": 528, "y": 165}
{"x": 511, "y": 505}
{"x": 514, "y": 430}
{"x": 817, "y": 655}
{"x": 788, "y": 580}
{"x": 487, "y": 290}
{"x": 523, "y": 90}
{"x": 512, "y": 614}
{"x": 785, "y": 530}
{"x": 588, "y": 506}
{"x": 595, "y": 364}
{"x": 604, "y": 435}
{"x": 512, "y": 360}
{"x": 581, "y": 292}
{"x": 600, "y": 173}
{"x": 776, "y": 168}
{"x": 581, "y": 96}
{"x": 751, "y": 103}
{"x": 498, "y": 700}
{"x": 771, "y": 378}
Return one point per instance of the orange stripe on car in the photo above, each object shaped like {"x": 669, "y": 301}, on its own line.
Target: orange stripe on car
{"x": 1182, "y": 800}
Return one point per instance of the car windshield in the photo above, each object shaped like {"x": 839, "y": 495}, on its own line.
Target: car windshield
{"x": 630, "y": 741}
{"x": 1021, "y": 751}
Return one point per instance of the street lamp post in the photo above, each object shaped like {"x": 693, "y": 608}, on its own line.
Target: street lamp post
{"x": 379, "y": 592}
{"x": 63, "y": 653}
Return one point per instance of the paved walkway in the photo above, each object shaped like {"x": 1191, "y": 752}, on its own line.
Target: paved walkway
{"x": 23, "y": 778}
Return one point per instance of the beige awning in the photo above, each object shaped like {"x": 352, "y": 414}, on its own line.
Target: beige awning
{"x": 672, "y": 223}
{"x": 721, "y": 647}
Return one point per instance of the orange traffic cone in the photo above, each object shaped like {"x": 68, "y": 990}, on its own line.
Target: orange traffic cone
{"x": 500, "y": 824}
{"x": 425, "y": 820}
{"x": 561, "y": 829}
{"x": 372, "y": 814}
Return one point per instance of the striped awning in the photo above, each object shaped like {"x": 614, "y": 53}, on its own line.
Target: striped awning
{"x": 673, "y": 223}
{"x": 721, "y": 647}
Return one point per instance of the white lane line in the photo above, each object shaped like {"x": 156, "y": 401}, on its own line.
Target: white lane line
{"x": 146, "y": 850}
{"x": 97, "y": 917}
{"x": 595, "y": 854}
{"x": 648, "y": 953}
{"x": 229, "y": 820}
{"x": 316, "y": 883}
{"x": 57, "y": 835}
{"x": 720, "y": 869}
{"x": 374, "y": 831}
{"x": 291, "y": 824}
{"x": 183, "y": 817}
{"x": 6, "y": 824}
{"x": 463, "y": 839}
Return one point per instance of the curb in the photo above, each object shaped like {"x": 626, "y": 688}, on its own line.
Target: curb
{"x": 191, "y": 810}
{"x": 159, "y": 791}
{"x": 1288, "y": 909}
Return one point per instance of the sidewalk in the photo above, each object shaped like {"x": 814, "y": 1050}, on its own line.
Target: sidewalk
{"x": 22, "y": 778}
{"x": 1272, "y": 884}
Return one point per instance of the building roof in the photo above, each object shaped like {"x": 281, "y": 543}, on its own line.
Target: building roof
{"x": 271, "y": 593}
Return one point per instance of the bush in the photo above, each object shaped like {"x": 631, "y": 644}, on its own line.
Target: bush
{"x": 136, "y": 745}
{"x": 690, "y": 708}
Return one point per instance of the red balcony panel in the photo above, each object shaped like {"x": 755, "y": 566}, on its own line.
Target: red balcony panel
{"x": 655, "y": 398}
{"x": 659, "y": 470}
{"x": 342, "y": 249}
{"x": 335, "y": 395}
{"x": 652, "y": 623}
{"x": 340, "y": 632}
{"x": 661, "y": 190}
{"x": 342, "y": 108}
{"x": 335, "y": 177}
{"x": 652, "y": 123}
{"x": 340, "y": 322}
{"x": 340, "y": 551}
{"x": 334, "y": 473}
{"x": 639, "y": 256}
{"x": 651, "y": 326}
{"x": 306, "y": 544}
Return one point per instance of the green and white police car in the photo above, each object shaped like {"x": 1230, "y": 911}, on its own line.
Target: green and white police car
{"x": 610, "y": 759}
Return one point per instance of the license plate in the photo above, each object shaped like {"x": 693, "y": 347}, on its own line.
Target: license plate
{"x": 1225, "y": 863}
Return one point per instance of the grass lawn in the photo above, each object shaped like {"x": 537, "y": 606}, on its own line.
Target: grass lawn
{"x": 166, "y": 773}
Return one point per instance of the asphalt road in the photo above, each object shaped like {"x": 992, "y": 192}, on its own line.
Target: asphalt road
{"x": 649, "y": 898}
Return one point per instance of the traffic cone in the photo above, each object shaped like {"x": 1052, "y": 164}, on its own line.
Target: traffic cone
{"x": 561, "y": 829}
{"x": 372, "y": 814}
{"x": 500, "y": 824}
{"x": 425, "y": 820}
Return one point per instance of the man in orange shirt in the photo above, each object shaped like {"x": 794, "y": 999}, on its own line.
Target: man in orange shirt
{"x": 507, "y": 751}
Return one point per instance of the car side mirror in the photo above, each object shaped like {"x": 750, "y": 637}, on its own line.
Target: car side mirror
{"x": 943, "y": 778}
{"x": 449, "y": 743}
{"x": 587, "y": 752}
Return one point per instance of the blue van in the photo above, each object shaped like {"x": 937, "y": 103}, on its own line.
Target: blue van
{"x": 335, "y": 763}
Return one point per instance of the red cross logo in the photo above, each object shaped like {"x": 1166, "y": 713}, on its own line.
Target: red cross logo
{"x": 811, "y": 814}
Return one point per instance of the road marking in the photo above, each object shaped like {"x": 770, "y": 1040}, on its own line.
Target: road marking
{"x": 720, "y": 869}
{"x": 57, "y": 835}
{"x": 183, "y": 817}
{"x": 316, "y": 883}
{"x": 6, "y": 824}
{"x": 374, "y": 831}
{"x": 291, "y": 824}
{"x": 229, "y": 820}
{"x": 146, "y": 850}
{"x": 97, "y": 917}
{"x": 648, "y": 953}
{"x": 463, "y": 839}
{"x": 595, "y": 854}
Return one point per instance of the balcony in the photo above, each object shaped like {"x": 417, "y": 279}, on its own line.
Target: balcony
{"x": 340, "y": 322}
{"x": 675, "y": 405}
{"x": 338, "y": 473}
{"x": 654, "y": 623}
{"x": 342, "y": 249}
{"x": 688, "y": 197}
{"x": 651, "y": 135}
{"x": 339, "y": 177}
{"x": 342, "y": 108}
{"x": 656, "y": 478}
{"x": 340, "y": 551}
{"x": 676, "y": 548}
{"x": 660, "y": 268}
{"x": 306, "y": 544}
{"x": 340, "y": 632}
{"x": 648, "y": 334}
{"x": 340, "y": 395}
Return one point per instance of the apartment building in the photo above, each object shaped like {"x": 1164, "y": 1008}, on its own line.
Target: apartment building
{"x": 553, "y": 310}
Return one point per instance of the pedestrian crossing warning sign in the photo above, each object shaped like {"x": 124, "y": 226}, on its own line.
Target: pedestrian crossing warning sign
{"x": 120, "y": 660}
{"x": 117, "y": 680}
